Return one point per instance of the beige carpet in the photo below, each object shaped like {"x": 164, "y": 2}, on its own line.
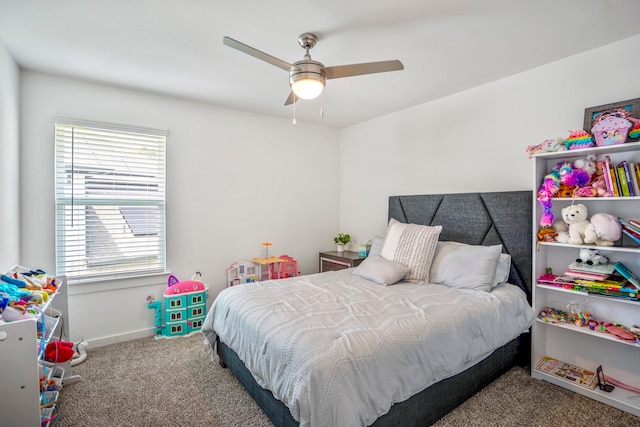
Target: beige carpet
{"x": 172, "y": 382}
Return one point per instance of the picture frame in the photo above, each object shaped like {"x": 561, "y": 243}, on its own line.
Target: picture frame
{"x": 632, "y": 105}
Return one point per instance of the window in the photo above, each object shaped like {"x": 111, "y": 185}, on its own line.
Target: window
{"x": 110, "y": 201}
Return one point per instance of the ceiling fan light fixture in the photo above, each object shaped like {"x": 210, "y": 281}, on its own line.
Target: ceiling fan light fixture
{"x": 307, "y": 79}
{"x": 307, "y": 87}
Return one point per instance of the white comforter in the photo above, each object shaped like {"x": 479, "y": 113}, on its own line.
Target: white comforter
{"x": 339, "y": 350}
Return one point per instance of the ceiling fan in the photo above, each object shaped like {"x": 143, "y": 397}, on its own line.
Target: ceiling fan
{"x": 307, "y": 77}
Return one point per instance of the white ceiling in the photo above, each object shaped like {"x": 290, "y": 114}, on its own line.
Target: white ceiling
{"x": 174, "y": 47}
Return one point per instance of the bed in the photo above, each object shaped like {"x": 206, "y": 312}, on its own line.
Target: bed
{"x": 393, "y": 382}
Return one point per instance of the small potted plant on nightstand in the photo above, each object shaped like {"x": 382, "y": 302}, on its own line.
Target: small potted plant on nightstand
{"x": 341, "y": 240}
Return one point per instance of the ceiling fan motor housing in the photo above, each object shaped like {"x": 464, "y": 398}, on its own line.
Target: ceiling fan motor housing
{"x": 307, "y": 69}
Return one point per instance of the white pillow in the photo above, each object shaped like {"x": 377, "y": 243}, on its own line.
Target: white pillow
{"x": 465, "y": 266}
{"x": 376, "y": 245}
{"x": 502, "y": 270}
{"x": 412, "y": 245}
{"x": 381, "y": 270}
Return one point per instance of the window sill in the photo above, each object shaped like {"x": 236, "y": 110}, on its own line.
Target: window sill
{"x": 104, "y": 285}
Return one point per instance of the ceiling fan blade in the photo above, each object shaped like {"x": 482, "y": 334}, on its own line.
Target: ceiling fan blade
{"x": 365, "y": 68}
{"x": 291, "y": 99}
{"x": 256, "y": 53}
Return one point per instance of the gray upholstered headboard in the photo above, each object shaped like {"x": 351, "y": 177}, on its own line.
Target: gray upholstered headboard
{"x": 478, "y": 219}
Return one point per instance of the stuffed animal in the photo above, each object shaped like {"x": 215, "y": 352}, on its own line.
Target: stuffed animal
{"x": 577, "y": 174}
{"x": 598, "y": 185}
{"x": 602, "y": 229}
{"x": 591, "y": 257}
{"x": 546, "y": 146}
{"x": 567, "y": 191}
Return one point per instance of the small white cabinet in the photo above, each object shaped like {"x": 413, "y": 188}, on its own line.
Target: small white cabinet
{"x": 22, "y": 403}
{"x": 579, "y": 345}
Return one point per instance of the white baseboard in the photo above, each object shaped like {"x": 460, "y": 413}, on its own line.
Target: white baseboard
{"x": 113, "y": 339}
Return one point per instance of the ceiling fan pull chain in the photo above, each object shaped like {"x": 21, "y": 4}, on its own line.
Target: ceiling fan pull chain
{"x": 294, "y": 110}
{"x": 322, "y": 104}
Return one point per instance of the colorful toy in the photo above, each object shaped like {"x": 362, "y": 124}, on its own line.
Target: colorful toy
{"x": 634, "y": 133}
{"x": 602, "y": 229}
{"x": 577, "y": 174}
{"x": 185, "y": 305}
{"x": 579, "y": 314}
{"x": 578, "y": 139}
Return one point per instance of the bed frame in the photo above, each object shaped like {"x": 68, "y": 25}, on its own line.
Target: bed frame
{"x": 473, "y": 218}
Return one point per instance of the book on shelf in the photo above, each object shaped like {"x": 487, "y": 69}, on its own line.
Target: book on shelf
{"x": 564, "y": 281}
{"x": 568, "y": 372}
{"x": 629, "y": 293}
{"x": 630, "y": 178}
{"x": 606, "y": 268}
{"x": 630, "y": 228}
{"x": 631, "y": 235}
{"x": 634, "y": 177}
{"x": 627, "y": 274}
{"x": 609, "y": 170}
{"x": 622, "y": 179}
{"x": 631, "y": 231}
{"x": 631, "y": 224}
{"x": 586, "y": 275}
{"x": 614, "y": 283}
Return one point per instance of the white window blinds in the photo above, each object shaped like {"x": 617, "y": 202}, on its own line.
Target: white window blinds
{"x": 110, "y": 202}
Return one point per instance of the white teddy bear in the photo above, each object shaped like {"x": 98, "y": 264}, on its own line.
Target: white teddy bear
{"x": 603, "y": 229}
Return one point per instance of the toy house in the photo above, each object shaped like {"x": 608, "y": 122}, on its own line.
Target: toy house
{"x": 277, "y": 267}
{"x": 243, "y": 272}
{"x": 287, "y": 267}
{"x": 185, "y": 307}
{"x": 268, "y": 268}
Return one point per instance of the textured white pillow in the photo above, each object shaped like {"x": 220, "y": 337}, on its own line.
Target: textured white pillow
{"x": 412, "y": 245}
{"x": 465, "y": 266}
{"x": 381, "y": 270}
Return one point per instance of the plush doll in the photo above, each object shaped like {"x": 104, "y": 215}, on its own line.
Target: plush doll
{"x": 546, "y": 146}
{"x": 600, "y": 186}
{"x": 597, "y": 187}
{"x": 591, "y": 257}
{"x": 577, "y": 174}
{"x": 602, "y": 229}
{"x": 567, "y": 191}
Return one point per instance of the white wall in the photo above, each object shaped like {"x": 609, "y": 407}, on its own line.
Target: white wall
{"x": 238, "y": 179}
{"x": 234, "y": 180}
{"x": 475, "y": 140}
{"x": 9, "y": 160}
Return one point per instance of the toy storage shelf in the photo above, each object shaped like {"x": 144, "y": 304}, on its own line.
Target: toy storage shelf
{"x": 23, "y": 365}
{"x": 577, "y": 345}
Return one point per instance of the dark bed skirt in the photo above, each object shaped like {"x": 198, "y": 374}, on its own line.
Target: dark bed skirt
{"x": 422, "y": 409}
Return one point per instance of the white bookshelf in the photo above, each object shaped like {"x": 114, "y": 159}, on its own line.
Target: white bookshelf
{"x": 574, "y": 344}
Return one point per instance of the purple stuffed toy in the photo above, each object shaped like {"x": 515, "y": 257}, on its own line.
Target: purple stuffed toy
{"x": 577, "y": 174}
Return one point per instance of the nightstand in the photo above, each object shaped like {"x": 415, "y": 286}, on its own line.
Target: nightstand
{"x": 333, "y": 260}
